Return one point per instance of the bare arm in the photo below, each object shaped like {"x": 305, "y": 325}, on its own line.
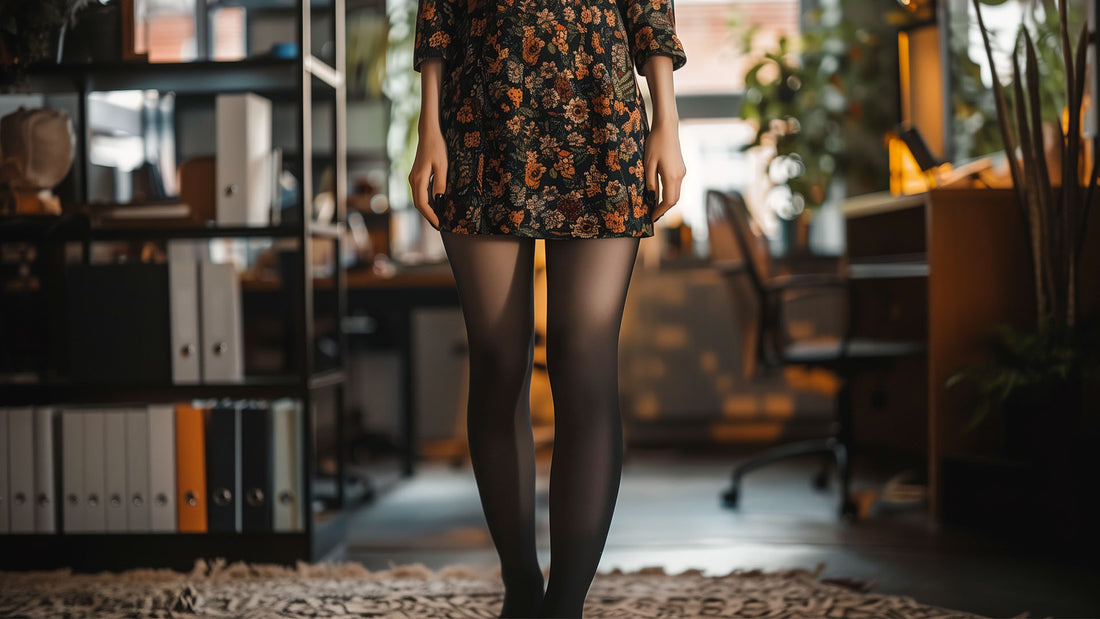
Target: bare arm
{"x": 431, "y": 150}
{"x": 662, "y": 148}
{"x": 657, "y": 52}
{"x": 434, "y": 31}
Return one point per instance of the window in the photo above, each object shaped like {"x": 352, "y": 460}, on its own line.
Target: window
{"x": 709, "y": 91}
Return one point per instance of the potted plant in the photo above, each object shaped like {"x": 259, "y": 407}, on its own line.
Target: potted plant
{"x": 973, "y": 105}
{"x": 818, "y": 103}
{"x": 1036, "y": 377}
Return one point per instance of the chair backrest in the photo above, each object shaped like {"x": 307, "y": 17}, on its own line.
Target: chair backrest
{"x": 736, "y": 237}
{"x": 736, "y": 240}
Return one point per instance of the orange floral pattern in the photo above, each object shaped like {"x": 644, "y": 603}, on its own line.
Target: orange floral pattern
{"x": 542, "y": 115}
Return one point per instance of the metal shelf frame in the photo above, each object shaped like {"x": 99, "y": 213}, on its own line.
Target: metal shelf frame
{"x": 302, "y": 79}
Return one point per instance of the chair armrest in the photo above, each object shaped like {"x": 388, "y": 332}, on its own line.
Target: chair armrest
{"x": 824, "y": 283}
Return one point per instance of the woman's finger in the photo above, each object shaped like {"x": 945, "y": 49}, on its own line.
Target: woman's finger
{"x": 439, "y": 177}
{"x": 418, "y": 183}
{"x": 437, "y": 189}
{"x": 670, "y": 189}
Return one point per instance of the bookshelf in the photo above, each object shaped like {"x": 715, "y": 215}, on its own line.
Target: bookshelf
{"x": 302, "y": 85}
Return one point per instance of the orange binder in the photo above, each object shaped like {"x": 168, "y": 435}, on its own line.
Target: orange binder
{"x": 190, "y": 468}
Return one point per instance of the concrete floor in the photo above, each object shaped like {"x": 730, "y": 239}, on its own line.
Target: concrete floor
{"x": 669, "y": 513}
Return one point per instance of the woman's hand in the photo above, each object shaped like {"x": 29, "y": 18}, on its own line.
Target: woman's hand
{"x": 429, "y": 169}
{"x": 663, "y": 157}
{"x": 429, "y": 173}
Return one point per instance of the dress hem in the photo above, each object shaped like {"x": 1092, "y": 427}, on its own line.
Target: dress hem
{"x": 554, "y": 237}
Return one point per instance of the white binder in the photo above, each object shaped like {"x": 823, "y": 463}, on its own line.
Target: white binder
{"x": 114, "y": 435}
{"x": 45, "y": 499}
{"x": 162, "y": 467}
{"x": 72, "y": 471}
{"x": 137, "y": 470}
{"x": 286, "y": 455}
{"x": 243, "y": 162}
{"x": 95, "y": 483}
{"x": 5, "y": 499}
{"x": 21, "y": 469}
{"x": 183, "y": 295}
{"x": 222, "y": 356}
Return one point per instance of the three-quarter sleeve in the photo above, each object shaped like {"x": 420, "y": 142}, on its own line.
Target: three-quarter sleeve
{"x": 434, "y": 30}
{"x": 651, "y": 27}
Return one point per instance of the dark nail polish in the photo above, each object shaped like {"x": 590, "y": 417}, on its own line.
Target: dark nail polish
{"x": 438, "y": 197}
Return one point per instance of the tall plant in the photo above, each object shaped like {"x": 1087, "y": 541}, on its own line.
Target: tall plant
{"x": 823, "y": 100}
{"x": 1056, "y": 217}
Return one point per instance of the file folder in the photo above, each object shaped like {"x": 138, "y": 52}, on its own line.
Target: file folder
{"x": 45, "y": 496}
{"x": 72, "y": 471}
{"x": 222, "y": 358}
{"x": 95, "y": 483}
{"x": 223, "y": 468}
{"x": 20, "y": 450}
{"x": 183, "y": 284}
{"x": 243, "y": 162}
{"x": 190, "y": 469}
{"x": 256, "y": 468}
{"x": 114, "y": 463}
{"x": 137, "y": 470}
{"x": 162, "y": 467}
{"x": 288, "y": 499}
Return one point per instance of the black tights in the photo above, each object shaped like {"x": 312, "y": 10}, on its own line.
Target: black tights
{"x": 586, "y": 286}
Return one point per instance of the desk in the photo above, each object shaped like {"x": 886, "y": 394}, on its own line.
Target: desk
{"x": 390, "y": 302}
{"x": 968, "y": 250}
{"x": 888, "y": 267}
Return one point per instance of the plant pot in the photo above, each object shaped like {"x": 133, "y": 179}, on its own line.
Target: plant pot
{"x": 1044, "y": 427}
{"x": 1036, "y": 418}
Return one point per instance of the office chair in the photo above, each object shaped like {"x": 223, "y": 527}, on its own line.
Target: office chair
{"x": 738, "y": 248}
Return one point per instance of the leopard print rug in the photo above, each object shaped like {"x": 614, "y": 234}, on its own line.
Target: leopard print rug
{"x": 253, "y": 591}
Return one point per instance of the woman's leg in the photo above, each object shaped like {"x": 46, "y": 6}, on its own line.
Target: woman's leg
{"x": 586, "y": 287}
{"x": 495, "y": 279}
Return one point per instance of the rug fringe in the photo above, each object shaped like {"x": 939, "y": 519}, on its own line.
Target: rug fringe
{"x": 219, "y": 569}
{"x": 297, "y": 593}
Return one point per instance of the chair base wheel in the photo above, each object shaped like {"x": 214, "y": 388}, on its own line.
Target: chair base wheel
{"x": 729, "y": 497}
{"x": 821, "y": 480}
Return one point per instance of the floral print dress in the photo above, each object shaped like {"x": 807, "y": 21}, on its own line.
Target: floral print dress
{"x": 543, "y": 119}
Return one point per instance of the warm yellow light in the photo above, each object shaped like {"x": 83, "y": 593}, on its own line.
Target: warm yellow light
{"x": 904, "y": 77}
{"x": 906, "y": 177}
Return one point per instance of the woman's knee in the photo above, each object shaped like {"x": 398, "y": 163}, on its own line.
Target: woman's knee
{"x": 501, "y": 355}
{"x": 581, "y": 359}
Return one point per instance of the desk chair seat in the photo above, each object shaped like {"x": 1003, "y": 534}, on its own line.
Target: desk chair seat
{"x": 738, "y": 249}
{"x": 829, "y": 353}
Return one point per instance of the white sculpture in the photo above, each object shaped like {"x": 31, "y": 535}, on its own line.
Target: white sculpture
{"x": 36, "y": 153}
